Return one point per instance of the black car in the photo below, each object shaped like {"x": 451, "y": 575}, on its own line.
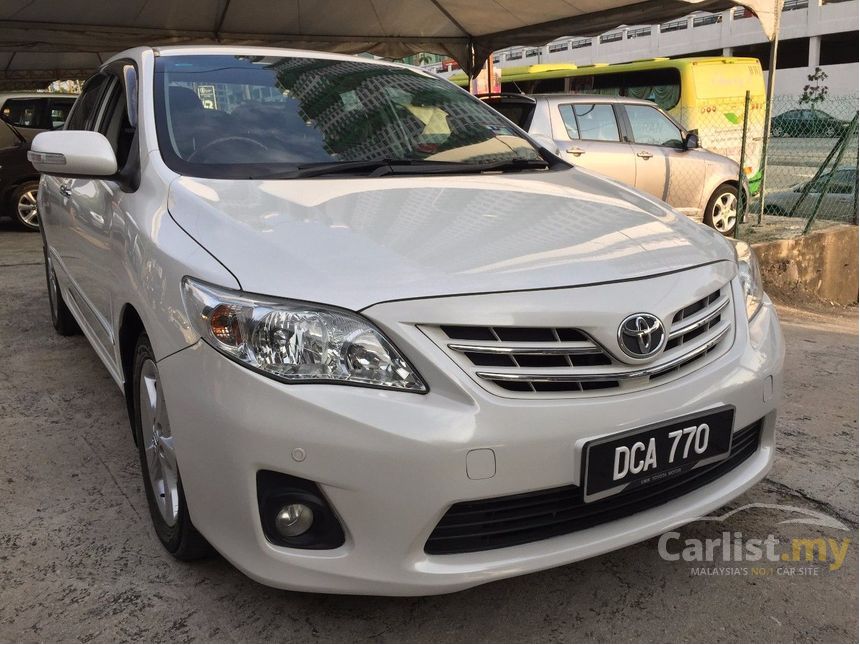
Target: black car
{"x": 19, "y": 181}
{"x": 807, "y": 123}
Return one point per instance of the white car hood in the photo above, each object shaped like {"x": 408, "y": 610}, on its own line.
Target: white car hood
{"x": 355, "y": 242}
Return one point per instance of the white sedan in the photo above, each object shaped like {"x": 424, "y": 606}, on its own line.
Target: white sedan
{"x": 374, "y": 339}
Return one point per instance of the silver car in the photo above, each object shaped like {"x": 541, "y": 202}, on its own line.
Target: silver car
{"x": 635, "y": 142}
{"x": 839, "y": 200}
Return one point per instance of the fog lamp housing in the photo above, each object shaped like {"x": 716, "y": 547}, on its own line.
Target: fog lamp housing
{"x": 294, "y": 513}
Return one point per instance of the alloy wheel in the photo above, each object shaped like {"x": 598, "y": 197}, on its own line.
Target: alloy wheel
{"x": 158, "y": 445}
{"x": 28, "y": 209}
{"x": 725, "y": 212}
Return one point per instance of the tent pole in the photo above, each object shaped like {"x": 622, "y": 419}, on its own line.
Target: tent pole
{"x": 771, "y": 83}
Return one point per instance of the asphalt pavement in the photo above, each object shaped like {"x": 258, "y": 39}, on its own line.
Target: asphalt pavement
{"x": 79, "y": 560}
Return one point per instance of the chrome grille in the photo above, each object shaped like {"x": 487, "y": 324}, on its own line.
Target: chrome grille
{"x": 567, "y": 361}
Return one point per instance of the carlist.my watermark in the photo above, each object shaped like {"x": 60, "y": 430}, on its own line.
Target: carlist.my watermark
{"x": 734, "y": 553}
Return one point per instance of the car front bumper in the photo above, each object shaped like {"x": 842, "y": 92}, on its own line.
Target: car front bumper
{"x": 392, "y": 463}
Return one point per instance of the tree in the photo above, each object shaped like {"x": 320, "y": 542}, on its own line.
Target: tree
{"x": 815, "y": 91}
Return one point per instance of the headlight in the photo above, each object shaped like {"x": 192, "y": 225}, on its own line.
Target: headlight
{"x": 750, "y": 276}
{"x": 297, "y": 342}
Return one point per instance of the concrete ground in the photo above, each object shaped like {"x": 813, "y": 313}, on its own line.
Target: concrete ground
{"x": 79, "y": 561}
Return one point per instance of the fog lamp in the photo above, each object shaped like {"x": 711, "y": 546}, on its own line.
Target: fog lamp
{"x": 293, "y": 520}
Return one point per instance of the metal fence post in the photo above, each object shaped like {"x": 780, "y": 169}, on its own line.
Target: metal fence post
{"x": 768, "y": 103}
{"x": 847, "y": 136}
{"x": 856, "y": 193}
{"x": 742, "y": 206}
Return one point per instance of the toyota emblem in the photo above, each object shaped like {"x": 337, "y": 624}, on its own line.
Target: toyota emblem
{"x": 641, "y": 335}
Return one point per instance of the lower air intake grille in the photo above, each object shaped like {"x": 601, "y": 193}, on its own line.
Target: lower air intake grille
{"x": 518, "y": 519}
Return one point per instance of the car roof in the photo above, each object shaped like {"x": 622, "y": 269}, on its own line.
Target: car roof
{"x": 590, "y": 98}
{"x": 36, "y": 95}
{"x": 250, "y": 50}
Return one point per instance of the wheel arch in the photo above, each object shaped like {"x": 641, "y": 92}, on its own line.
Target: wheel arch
{"x": 130, "y": 327}
{"x": 22, "y": 179}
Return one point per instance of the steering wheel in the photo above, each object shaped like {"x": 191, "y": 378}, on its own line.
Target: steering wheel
{"x": 231, "y": 139}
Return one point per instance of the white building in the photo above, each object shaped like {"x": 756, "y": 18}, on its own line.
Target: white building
{"x": 813, "y": 33}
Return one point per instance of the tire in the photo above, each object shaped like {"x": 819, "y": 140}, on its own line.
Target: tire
{"x": 830, "y": 132}
{"x": 721, "y": 211}
{"x": 777, "y": 131}
{"x": 164, "y": 493}
{"x": 61, "y": 318}
{"x": 22, "y": 205}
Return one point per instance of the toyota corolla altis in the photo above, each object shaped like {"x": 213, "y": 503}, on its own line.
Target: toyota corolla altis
{"x": 375, "y": 339}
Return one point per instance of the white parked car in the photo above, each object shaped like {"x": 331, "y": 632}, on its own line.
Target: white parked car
{"x": 374, "y": 340}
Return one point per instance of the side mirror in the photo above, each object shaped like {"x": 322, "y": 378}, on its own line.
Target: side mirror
{"x": 691, "y": 140}
{"x": 72, "y": 153}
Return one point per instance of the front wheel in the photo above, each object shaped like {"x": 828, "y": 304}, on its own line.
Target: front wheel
{"x": 722, "y": 210}
{"x": 24, "y": 206}
{"x": 157, "y": 451}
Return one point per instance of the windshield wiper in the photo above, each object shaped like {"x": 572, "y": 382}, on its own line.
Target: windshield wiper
{"x": 336, "y": 167}
{"x": 380, "y": 167}
{"x": 434, "y": 168}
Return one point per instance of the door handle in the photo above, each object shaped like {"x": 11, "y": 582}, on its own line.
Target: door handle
{"x": 65, "y": 190}
{"x": 644, "y": 154}
{"x": 575, "y": 151}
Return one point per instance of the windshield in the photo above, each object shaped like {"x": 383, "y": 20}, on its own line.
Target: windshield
{"x": 254, "y": 117}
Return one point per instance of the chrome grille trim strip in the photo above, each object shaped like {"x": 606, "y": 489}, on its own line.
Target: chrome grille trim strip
{"x": 607, "y": 376}
{"x": 531, "y": 349}
{"x": 711, "y": 312}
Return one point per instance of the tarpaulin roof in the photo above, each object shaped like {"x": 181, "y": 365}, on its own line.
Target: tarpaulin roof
{"x": 46, "y": 40}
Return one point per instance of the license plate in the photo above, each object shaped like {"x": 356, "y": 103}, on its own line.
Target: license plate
{"x": 648, "y": 455}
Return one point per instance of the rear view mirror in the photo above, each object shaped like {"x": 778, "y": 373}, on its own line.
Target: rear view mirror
{"x": 72, "y": 153}
{"x": 691, "y": 141}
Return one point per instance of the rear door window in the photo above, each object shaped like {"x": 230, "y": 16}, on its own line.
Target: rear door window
{"x": 590, "y": 121}
{"x": 58, "y": 111}
{"x": 23, "y": 113}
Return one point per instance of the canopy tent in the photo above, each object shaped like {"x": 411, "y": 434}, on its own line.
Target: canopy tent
{"x": 46, "y": 40}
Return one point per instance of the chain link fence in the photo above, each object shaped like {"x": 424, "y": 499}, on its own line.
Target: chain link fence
{"x": 812, "y": 159}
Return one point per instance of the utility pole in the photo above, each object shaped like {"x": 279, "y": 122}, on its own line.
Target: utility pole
{"x": 771, "y": 82}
